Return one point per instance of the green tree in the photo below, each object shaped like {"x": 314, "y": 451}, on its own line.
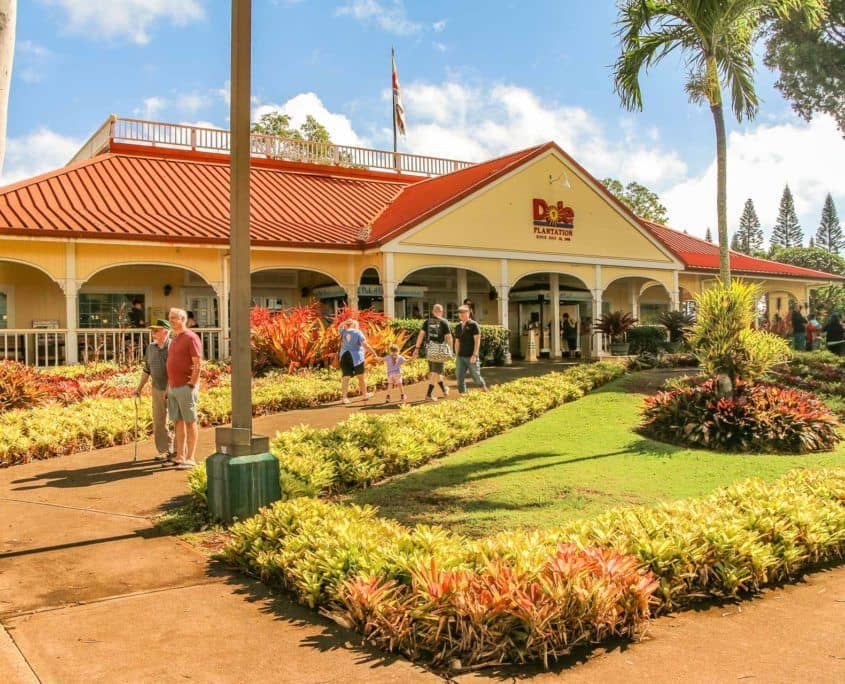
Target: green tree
{"x": 708, "y": 235}
{"x": 816, "y": 258}
{"x": 639, "y": 199}
{"x": 811, "y": 62}
{"x": 787, "y": 231}
{"x": 717, "y": 39}
{"x": 829, "y": 235}
{"x": 735, "y": 246}
{"x": 749, "y": 236}
{"x": 275, "y": 123}
{"x": 310, "y": 142}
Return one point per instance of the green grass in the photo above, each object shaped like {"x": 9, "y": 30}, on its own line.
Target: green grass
{"x": 575, "y": 461}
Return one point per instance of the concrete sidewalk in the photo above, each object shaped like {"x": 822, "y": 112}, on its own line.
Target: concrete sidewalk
{"x": 89, "y": 592}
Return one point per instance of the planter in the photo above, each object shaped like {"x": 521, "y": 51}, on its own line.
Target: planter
{"x": 619, "y": 348}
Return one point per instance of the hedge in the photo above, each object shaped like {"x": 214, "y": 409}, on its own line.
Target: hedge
{"x": 436, "y": 595}
{"x": 55, "y": 430}
{"x": 649, "y": 339}
{"x": 366, "y": 448}
{"x": 494, "y": 338}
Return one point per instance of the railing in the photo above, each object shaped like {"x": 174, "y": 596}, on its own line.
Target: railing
{"x": 34, "y": 347}
{"x": 197, "y": 138}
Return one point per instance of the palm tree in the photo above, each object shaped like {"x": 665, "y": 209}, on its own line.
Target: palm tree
{"x": 8, "y": 12}
{"x": 717, "y": 38}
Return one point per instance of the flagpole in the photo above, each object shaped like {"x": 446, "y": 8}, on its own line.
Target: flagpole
{"x": 395, "y": 143}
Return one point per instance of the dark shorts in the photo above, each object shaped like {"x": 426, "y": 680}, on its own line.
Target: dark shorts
{"x": 348, "y": 368}
{"x": 435, "y": 367}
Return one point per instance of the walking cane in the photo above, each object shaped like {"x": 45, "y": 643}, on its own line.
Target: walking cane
{"x": 135, "y": 433}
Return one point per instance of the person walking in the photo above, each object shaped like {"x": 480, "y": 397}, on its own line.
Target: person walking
{"x": 184, "y": 360}
{"x": 352, "y": 345}
{"x": 155, "y": 370}
{"x": 393, "y": 363}
{"x": 799, "y": 329}
{"x": 570, "y": 334}
{"x": 467, "y": 345}
{"x": 835, "y": 335}
{"x": 437, "y": 336}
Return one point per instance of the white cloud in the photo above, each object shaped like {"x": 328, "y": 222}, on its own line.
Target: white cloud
{"x": 439, "y": 26}
{"x": 192, "y": 102}
{"x": 440, "y": 47}
{"x": 297, "y": 108}
{"x": 477, "y": 123}
{"x": 391, "y": 17}
{"x": 40, "y": 151}
{"x": 132, "y": 19}
{"x": 152, "y": 107}
{"x": 761, "y": 160}
{"x": 29, "y": 47}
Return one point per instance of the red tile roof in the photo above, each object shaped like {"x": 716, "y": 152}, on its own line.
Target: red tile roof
{"x": 144, "y": 193}
{"x": 139, "y": 196}
{"x": 700, "y": 255}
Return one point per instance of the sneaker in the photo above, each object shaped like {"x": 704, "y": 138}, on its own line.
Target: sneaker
{"x": 368, "y": 395}
{"x": 345, "y": 400}
{"x": 387, "y": 399}
{"x": 186, "y": 465}
{"x": 446, "y": 391}
{"x": 431, "y": 397}
{"x": 163, "y": 456}
{"x": 404, "y": 397}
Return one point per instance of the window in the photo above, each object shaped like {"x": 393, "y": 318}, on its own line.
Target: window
{"x": 4, "y": 310}
{"x": 649, "y": 312}
{"x": 107, "y": 310}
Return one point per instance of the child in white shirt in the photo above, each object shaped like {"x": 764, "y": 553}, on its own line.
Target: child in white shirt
{"x": 394, "y": 361}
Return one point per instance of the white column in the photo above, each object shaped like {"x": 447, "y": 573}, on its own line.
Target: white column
{"x": 71, "y": 290}
{"x": 554, "y": 289}
{"x": 223, "y": 304}
{"x": 503, "y": 291}
{"x": 598, "y": 290}
{"x": 675, "y": 295}
{"x": 634, "y": 289}
{"x": 389, "y": 285}
{"x": 351, "y": 295}
{"x": 462, "y": 285}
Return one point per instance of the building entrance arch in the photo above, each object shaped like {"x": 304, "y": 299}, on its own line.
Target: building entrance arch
{"x": 424, "y": 287}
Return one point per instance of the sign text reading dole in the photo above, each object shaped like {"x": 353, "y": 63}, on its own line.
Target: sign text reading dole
{"x": 552, "y": 221}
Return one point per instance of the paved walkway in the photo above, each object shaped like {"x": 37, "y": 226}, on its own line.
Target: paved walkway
{"x": 90, "y": 593}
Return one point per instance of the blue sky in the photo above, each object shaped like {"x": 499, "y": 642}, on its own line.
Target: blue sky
{"x": 479, "y": 79}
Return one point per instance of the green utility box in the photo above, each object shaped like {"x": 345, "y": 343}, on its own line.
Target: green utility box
{"x": 239, "y": 485}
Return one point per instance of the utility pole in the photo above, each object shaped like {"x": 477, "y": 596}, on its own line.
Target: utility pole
{"x": 242, "y": 475}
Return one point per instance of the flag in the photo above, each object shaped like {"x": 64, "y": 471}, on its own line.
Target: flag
{"x": 398, "y": 109}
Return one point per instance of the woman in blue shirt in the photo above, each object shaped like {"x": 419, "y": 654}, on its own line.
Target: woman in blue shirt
{"x": 352, "y": 345}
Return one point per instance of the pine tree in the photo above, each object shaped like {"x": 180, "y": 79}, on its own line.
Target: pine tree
{"x": 735, "y": 246}
{"x": 749, "y": 237}
{"x": 787, "y": 231}
{"x": 708, "y": 235}
{"x": 812, "y": 243}
{"x": 829, "y": 235}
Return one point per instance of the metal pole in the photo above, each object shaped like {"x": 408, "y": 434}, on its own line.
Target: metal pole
{"x": 239, "y": 237}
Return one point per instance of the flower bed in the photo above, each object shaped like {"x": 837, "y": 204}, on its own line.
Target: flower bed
{"x": 435, "y": 595}
{"x": 365, "y": 448}
{"x": 761, "y": 418}
{"x": 93, "y": 423}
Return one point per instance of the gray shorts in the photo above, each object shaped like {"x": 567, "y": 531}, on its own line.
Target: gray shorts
{"x": 182, "y": 403}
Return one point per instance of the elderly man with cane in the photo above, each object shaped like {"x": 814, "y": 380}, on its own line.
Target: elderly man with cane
{"x": 155, "y": 370}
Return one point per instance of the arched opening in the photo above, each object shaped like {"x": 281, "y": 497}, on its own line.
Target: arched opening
{"x": 562, "y": 328}
{"x": 370, "y": 292}
{"x": 423, "y": 288}
{"x": 640, "y": 296}
{"x": 30, "y": 301}
{"x": 105, "y": 304}
{"x": 281, "y": 288}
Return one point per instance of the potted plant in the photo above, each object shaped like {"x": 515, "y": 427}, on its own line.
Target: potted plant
{"x": 615, "y": 324}
{"x": 678, "y": 324}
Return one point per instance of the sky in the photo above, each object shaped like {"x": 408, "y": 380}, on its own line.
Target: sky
{"x": 479, "y": 79}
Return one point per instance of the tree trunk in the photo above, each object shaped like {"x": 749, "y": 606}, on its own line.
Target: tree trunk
{"x": 722, "y": 192}
{"x": 8, "y": 19}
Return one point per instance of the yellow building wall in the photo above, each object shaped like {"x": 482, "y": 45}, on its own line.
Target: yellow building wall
{"x": 342, "y": 268}
{"x": 405, "y": 264}
{"x": 204, "y": 261}
{"x": 518, "y": 268}
{"x": 48, "y": 255}
{"x": 500, "y": 217}
{"x": 31, "y": 295}
{"x": 612, "y": 274}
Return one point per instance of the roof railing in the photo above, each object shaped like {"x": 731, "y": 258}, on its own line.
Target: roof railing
{"x": 200, "y": 139}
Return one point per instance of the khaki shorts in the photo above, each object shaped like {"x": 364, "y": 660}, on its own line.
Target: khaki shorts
{"x": 182, "y": 403}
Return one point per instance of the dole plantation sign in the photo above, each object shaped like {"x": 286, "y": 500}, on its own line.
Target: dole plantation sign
{"x": 552, "y": 221}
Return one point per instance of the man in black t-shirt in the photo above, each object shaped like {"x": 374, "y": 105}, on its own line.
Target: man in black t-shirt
{"x": 136, "y": 314}
{"x": 435, "y": 329}
{"x": 468, "y": 343}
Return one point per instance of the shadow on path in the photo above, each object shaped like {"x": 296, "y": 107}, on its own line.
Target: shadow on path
{"x": 88, "y": 477}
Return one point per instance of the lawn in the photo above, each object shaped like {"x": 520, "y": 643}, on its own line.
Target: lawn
{"x": 575, "y": 461}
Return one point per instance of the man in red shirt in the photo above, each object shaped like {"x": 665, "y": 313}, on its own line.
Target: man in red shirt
{"x": 183, "y": 376}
